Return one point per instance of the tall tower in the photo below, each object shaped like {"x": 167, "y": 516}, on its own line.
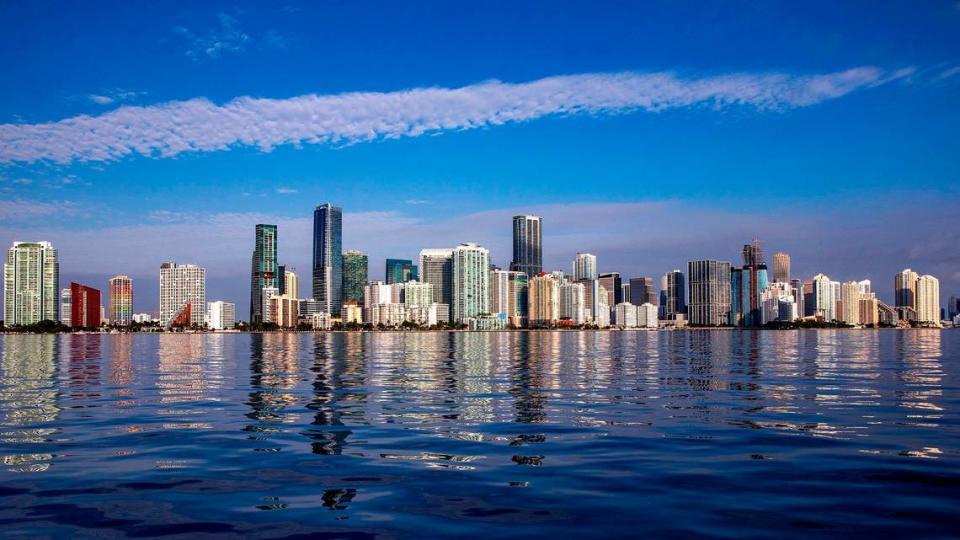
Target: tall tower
{"x": 328, "y": 257}
{"x": 585, "y": 267}
{"x": 676, "y": 297}
{"x": 263, "y": 272}
{"x": 527, "y": 245}
{"x": 436, "y": 268}
{"x": 709, "y": 292}
{"x": 905, "y": 289}
{"x": 354, "y": 275}
{"x": 121, "y": 300}
{"x": 749, "y": 287}
{"x": 781, "y": 267}
{"x": 471, "y": 282}
{"x": 183, "y": 294}
{"x": 31, "y": 278}
{"x": 399, "y": 271}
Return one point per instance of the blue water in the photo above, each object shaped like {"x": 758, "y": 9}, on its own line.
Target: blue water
{"x": 717, "y": 434}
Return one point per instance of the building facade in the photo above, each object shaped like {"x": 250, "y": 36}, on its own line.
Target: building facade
{"x": 400, "y": 271}
{"x": 355, "y": 277}
{"x": 328, "y": 257}
{"x": 905, "y": 289}
{"x": 642, "y": 291}
{"x": 709, "y": 292}
{"x": 221, "y": 315}
{"x": 31, "y": 278}
{"x": 585, "y": 267}
{"x": 508, "y": 295}
{"x": 824, "y": 298}
{"x": 85, "y": 306}
{"x": 781, "y": 267}
{"x": 543, "y": 294}
{"x": 676, "y": 295}
{"x": 66, "y": 305}
{"x": 611, "y": 282}
{"x": 747, "y": 285}
{"x": 928, "y": 300}
{"x": 182, "y": 286}
{"x": 436, "y": 268}
{"x": 572, "y": 303}
{"x": 263, "y": 268}
{"x": 471, "y": 282}
{"x": 527, "y": 245}
{"x": 121, "y": 300}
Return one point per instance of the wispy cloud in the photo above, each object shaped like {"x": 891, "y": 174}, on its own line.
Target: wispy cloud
{"x": 197, "y": 125}
{"x": 285, "y": 190}
{"x": 11, "y": 209}
{"x": 227, "y": 36}
{"x": 115, "y": 95}
{"x": 416, "y": 201}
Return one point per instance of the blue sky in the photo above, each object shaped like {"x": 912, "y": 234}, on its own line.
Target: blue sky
{"x": 649, "y": 134}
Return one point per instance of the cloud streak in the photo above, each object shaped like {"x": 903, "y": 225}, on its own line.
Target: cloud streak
{"x": 198, "y": 125}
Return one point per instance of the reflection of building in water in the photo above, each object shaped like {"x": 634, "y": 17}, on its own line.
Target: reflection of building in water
{"x": 121, "y": 359}
{"x": 182, "y": 374}
{"x": 28, "y": 397}
{"x": 475, "y": 353}
{"x": 536, "y": 353}
{"x": 922, "y": 376}
{"x": 273, "y": 372}
{"x": 328, "y": 433}
{"x": 82, "y": 358}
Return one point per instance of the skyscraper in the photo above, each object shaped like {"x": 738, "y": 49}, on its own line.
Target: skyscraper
{"x": 183, "y": 294}
{"x": 328, "y": 257}
{"x": 928, "y": 300}
{"x": 611, "y": 282}
{"x": 291, "y": 283}
{"x": 527, "y": 245}
{"x": 85, "y": 306}
{"x": 31, "y": 278}
{"x": 572, "y": 303}
{"x": 676, "y": 297}
{"x": 471, "y": 282}
{"x": 400, "y": 271}
{"x": 544, "y": 301}
{"x": 584, "y": 267}
{"x": 354, "y": 275}
{"x": 747, "y": 286}
{"x": 66, "y": 305}
{"x": 905, "y": 289}
{"x": 121, "y": 300}
{"x": 436, "y": 268}
{"x": 709, "y": 292}
{"x": 781, "y": 267}
{"x": 642, "y": 291}
{"x": 508, "y": 295}
{"x": 263, "y": 271}
{"x": 824, "y": 298}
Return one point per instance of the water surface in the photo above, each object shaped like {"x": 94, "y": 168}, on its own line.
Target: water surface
{"x": 717, "y": 434}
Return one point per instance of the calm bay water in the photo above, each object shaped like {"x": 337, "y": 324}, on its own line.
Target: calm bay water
{"x": 561, "y": 434}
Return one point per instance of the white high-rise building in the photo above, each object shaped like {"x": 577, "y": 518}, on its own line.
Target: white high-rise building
{"x": 266, "y": 296}
{"x": 572, "y": 304}
{"x": 31, "y": 279}
{"x": 602, "y": 315}
{"x": 543, "y": 305}
{"x": 928, "y": 300}
{"x": 66, "y": 305}
{"x": 585, "y": 267}
{"x": 291, "y": 284}
{"x": 824, "y": 298}
{"x": 850, "y": 294}
{"x": 182, "y": 284}
{"x": 221, "y": 315}
{"x": 625, "y": 315}
{"x": 416, "y": 293}
{"x": 647, "y": 316}
{"x": 471, "y": 282}
{"x": 778, "y": 303}
{"x": 508, "y": 295}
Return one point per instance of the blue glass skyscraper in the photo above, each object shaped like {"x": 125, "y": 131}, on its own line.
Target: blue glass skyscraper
{"x": 328, "y": 257}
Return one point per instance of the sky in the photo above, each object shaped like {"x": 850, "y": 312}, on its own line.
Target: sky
{"x": 647, "y": 133}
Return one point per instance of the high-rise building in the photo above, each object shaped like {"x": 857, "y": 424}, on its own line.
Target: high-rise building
{"x": 747, "y": 286}
{"x": 281, "y": 278}
{"x": 778, "y": 304}
{"x": 585, "y": 267}
{"x": 953, "y": 307}
{"x": 543, "y": 309}
{"x": 221, "y": 315}
{"x": 85, "y": 306}
{"x": 183, "y": 290}
{"x": 267, "y": 296}
{"x": 611, "y": 282}
{"x": 31, "y": 278}
{"x": 508, "y": 295}
{"x": 354, "y": 275}
{"x": 676, "y": 297}
{"x": 572, "y": 303}
{"x": 824, "y": 298}
{"x": 928, "y": 300}
{"x": 796, "y": 288}
{"x": 850, "y": 294}
{"x": 809, "y": 300}
{"x": 291, "y": 283}
{"x": 328, "y": 257}
{"x": 601, "y": 315}
{"x": 400, "y": 271}
{"x": 436, "y": 268}
{"x": 625, "y": 315}
{"x": 642, "y": 291}
{"x": 527, "y": 245}
{"x": 66, "y": 305}
{"x": 121, "y": 300}
{"x": 471, "y": 282}
{"x": 709, "y": 292}
{"x": 416, "y": 293}
{"x": 905, "y": 289}
{"x": 263, "y": 268}
{"x": 781, "y": 267}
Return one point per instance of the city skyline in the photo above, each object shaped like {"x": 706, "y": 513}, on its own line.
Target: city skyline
{"x": 697, "y": 146}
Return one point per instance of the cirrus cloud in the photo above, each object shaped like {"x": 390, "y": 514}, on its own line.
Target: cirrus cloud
{"x": 199, "y": 125}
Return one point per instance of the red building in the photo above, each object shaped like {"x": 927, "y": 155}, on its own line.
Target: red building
{"x": 85, "y": 308}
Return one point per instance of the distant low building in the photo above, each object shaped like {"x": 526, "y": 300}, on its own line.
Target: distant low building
{"x": 220, "y": 315}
